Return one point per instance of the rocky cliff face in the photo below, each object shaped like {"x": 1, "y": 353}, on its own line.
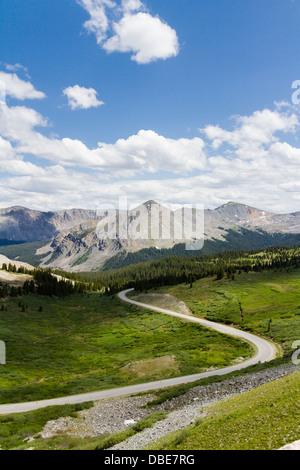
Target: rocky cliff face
{"x": 83, "y": 240}
{"x": 22, "y": 224}
{"x": 252, "y": 218}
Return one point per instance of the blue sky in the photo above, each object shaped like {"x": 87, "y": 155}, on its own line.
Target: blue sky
{"x": 181, "y": 101}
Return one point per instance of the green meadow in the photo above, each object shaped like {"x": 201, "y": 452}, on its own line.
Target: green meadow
{"x": 57, "y": 347}
{"x": 266, "y": 303}
{"x": 17, "y": 430}
{"x": 89, "y": 342}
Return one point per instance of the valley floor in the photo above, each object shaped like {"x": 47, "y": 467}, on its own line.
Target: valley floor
{"x": 69, "y": 344}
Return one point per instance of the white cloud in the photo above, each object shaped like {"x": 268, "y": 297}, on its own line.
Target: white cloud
{"x": 12, "y": 162}
{"x": 16, "y": 68}
{"x": 131, "y": 5}
{"x": 149, "y": 152}
{"x": 11, "y": 85}
{"x": 98, "y": 23}
{"x": 135, "y": 31}
{"x": 6, "y": 150}
{"x": 81, "y": 97}
{"x": 253, "y": 133}
{"x": 19, "y": 167}
{"x": 17, "y": 123}
{"x": 59, "y": 188}
{"x": 147, "y": 37}
{"x": 284, "y": 151}
{"x": 251, "y": 163}
{"x": 144, "y": 152}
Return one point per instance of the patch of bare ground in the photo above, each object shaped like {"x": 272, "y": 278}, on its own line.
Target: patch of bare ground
{"x": 166, "y": 301}
{"x": 116, "y": 414}
{"x": 13, "y": 279}
{"x": 148, "y": 367}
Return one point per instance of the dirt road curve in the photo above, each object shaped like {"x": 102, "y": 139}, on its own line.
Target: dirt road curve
{"x": 264, "y": 352}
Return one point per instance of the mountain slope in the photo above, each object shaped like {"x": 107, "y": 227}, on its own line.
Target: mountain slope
{"x": 25, "y": 225}
{"x": 80, "y": 240}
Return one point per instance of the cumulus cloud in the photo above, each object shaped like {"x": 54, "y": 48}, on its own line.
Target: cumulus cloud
{"x": 17, "y": 123}
{"x": 144, "y": 152}
{"x": 98, "y": 22}
{"x": 135, "y": 30}
{"x": 150, "y": 152}
{"x": 60, "y": 188}
{"x": 6, "y": 150}
{"x": 11, "y": 85}
{"x": 20, "y": 167}
{"x": 252, "y": 162}
{"x": 285, "y": 151}
{"x": 131, "y": 5}
{"x": 81, "y": 97}
{"x": 253, "y": 133}
{"x": 147, "y": 37}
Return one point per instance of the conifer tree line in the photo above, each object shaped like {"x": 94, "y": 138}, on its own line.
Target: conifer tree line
{"x": 48, "y": 284}
{"x": 11, "y": 268}
{"x": 176, "y": 270}
{"x": 151, "y": 275}
{"x": 42, "y": 283}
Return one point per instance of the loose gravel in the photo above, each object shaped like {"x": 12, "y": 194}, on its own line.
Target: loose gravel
{"x": 106, "y": 417}
{"x": 193, "y": 403}
{"x": 115, "y": 415}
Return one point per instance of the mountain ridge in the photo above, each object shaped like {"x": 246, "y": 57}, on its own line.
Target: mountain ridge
{"x": 84, "y": 240}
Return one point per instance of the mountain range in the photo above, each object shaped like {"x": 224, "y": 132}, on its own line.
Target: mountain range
{"x": 85, "y": 240}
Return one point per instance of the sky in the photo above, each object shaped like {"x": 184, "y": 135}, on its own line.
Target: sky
{"x": 178, "y": 101}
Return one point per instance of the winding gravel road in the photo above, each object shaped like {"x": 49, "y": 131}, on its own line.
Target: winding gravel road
{"x": 265, "y": 351}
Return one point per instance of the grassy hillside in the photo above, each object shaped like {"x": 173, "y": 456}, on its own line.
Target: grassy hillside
{"x": 24, "y": 252}
{"x": 15, "y": 429}
{"x": 5, "y": 242}
{"x": 84, "y": 343}
{"x": 90, "y": 342}
{"x": 267, "y": 302}
{"x": 242, "y": 239}
{"x": 265, "y": 418}
{"x": 175, "y": 270}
